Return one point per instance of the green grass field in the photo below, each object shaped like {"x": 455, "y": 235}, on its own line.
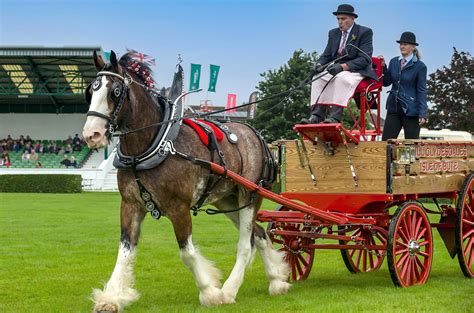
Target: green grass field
{"x": 56, "y": 247}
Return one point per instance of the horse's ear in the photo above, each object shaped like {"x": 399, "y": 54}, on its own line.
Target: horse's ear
{"x": 113, "y": 60}
{"x": 99, "y": 62}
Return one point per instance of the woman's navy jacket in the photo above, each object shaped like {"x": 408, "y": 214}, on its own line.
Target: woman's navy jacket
{"x": 408, "y": 86}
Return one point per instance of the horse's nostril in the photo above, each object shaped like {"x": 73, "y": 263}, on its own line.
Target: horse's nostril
{"x": 95, "y": 136}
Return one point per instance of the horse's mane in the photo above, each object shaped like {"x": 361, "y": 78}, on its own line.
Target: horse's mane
{"x": 141, "y": 69}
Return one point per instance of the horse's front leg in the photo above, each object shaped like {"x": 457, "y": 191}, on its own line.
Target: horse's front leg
{"x": 206, "y": 276}
{"x": 118, "y": 291}
{"x": 244, "y": 251}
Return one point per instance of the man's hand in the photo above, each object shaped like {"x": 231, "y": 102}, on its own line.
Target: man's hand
{"x": 382, "y": 59}
{"x": 334, "y": 69}
{"x": 317, "y": 68}
{"x": 422, "y": 120}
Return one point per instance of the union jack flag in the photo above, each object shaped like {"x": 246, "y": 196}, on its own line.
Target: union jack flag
{"x": 141, "y": 57}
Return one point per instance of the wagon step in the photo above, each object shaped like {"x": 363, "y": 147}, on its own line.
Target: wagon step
{"x": 333, "y": 133}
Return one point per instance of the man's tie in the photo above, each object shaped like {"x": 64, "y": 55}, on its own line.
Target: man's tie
{"x": 402, "y": 63}
{"x": 343, "y": 43}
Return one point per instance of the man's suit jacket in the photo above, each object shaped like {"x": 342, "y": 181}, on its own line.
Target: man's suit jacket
{"x": 408, "y": 87}
{"x": 361, "y": 37}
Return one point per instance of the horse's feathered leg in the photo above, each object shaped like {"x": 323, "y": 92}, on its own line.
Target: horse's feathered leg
{"x": 206, "y": 276}
{"x": 244, "y": 248}
{"x": 118, "y": 291}
{"x": 276, "y": 268}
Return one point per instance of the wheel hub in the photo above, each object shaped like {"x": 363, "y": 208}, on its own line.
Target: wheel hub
{"x": 295, "y": 244}
{"x": 413, "y": 247}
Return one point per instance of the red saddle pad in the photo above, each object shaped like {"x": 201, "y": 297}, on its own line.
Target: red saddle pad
{"x": 201, "y": 133}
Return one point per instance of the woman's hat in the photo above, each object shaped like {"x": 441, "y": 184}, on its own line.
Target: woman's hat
{"x": 408, "y": 37}
{"x": 345, "y": 9}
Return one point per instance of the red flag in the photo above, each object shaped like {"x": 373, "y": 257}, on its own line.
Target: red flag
{"x": 231, "y": 102}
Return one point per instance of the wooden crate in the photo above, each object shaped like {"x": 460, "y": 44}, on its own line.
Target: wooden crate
{"x": 436, "y": 167}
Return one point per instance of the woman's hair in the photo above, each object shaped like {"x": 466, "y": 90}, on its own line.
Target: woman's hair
{"x": 417, "y": 53}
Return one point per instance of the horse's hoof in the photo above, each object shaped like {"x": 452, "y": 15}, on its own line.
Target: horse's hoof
{"x": 211, "y": 296}
{"x": 278, "y": 287}
{"x": 228, "y": 299}
{"x": 105, "y": 308}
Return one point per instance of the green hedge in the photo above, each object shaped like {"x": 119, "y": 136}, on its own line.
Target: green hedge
{"x": 41, "y": 183}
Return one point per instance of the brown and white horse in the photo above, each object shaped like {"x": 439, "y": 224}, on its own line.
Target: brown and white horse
{"x": 176, "y": 185}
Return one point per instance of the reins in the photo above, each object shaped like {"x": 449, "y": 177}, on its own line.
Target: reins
{"x": 128, "y": 80}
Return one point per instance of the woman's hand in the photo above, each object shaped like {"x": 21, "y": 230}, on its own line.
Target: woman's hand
{"x": 381, "y": 59}
{"x": 422, "y": 120}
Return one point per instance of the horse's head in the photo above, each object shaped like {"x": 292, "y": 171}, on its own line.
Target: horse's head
{"x": 107, "y": 97}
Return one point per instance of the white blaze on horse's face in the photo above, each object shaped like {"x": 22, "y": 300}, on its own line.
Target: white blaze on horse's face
{"x": 95, "y": 128}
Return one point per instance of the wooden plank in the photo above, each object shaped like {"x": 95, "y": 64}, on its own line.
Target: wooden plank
{"x": 428, "y": 183}
{"x": 333, "y": 173}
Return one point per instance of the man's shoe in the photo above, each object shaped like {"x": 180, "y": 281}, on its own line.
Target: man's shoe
{"x": 314, "y": 119}
{"x": 331, "y": 120}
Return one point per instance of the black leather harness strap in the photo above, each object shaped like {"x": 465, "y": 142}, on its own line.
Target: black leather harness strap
{"x": 212, "y": 179}
{"x": 150, "y": 204}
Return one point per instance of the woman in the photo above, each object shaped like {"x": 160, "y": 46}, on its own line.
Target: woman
{"x": 406, "y": 103}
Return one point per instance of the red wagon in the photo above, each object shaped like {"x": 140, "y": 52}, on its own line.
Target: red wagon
{"x": 342, "y": 189}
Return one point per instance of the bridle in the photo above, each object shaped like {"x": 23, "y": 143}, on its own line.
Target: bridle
{"x": 120, "y": 93}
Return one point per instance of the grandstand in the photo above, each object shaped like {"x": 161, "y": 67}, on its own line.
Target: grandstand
{"x": 42, "y": 95}
{"x": 49, "y": 160}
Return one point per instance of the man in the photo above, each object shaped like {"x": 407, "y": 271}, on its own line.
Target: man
{"x": 350, "y": 67}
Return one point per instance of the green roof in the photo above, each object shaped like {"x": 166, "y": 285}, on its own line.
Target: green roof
{"x": 45, "y": 79}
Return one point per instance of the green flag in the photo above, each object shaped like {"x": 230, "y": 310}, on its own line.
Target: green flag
{"x": 195, "y": 76}
{"x": 214, "y": 72}
{"x": 107, "y": 56}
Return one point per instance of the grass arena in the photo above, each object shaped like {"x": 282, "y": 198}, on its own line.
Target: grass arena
{"x": 308, "y": 197}
{"x": 68, "y": 244}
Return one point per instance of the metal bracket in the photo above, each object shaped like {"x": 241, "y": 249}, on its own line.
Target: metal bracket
{"x": 310, "y": 168}
{"x": 349, "y": 159}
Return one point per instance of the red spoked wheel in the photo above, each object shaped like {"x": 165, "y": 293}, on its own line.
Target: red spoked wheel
{"x": 298, "y": 254}
{"x": 465, "y": 228}
{"x": 410, "y": 246}
{"x": 362, "y": 261}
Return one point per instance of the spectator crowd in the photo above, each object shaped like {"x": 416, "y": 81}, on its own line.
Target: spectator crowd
{"x": 33, "y": 150}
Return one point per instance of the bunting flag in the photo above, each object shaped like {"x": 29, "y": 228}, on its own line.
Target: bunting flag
{"x": 214, "y": 72}
{"x": 141, "y": 58}
{"x": 231, "y": 102}
{"x": 195, "y": 76}
{"x": 253, "y": 107}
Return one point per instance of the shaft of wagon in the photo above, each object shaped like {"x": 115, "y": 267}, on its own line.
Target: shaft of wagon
{"x": 277, "y": 198}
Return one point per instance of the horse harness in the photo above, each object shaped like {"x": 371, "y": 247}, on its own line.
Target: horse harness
{"x": 162, "y": 144}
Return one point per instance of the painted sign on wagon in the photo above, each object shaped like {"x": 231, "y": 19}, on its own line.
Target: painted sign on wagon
{"x": 439, "y": 151}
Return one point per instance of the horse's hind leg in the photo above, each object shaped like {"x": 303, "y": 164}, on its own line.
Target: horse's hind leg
{"x": 206, "y": 276}
{"x": 244, "y": 248}
{"x": 276, "y": 269}
{"x": 118, "y": 291}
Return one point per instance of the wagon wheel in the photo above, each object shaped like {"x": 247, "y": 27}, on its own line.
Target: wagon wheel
{"x": 297, "y": 253}
{"x": 410, "y": 246}
{"x": 465, "y": 228}
{"x": 358, "y": 261}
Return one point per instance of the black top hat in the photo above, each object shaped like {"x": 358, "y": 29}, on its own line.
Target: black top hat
{"x": 345, "y": 9}
{"x": 408, "y": 37}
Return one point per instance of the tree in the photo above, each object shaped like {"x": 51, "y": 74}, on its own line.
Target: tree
{"x": 275, "y": 119}
{"x": 451, "y": 91}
